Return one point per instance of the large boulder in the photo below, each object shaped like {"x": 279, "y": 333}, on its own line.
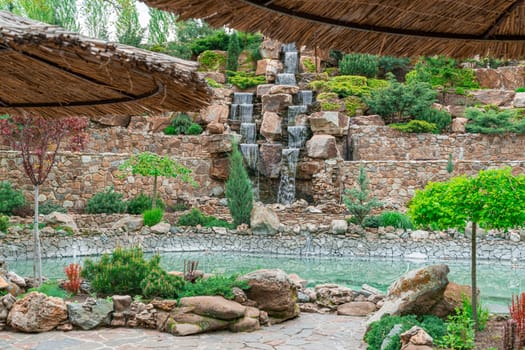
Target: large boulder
{"x": 62, "y": 219}
{"x": 333, "y": 295}
{"x": 6, "y": 303}
{"x": 36, "y": 313}
{"x": 322, "y": 146}
{"x": 509, "y": 78}
{"x": 270, "y": 48}
{"x": 368, "y": 120}
{"x": 519, "y": 100}
{"x": 276, "y": 103}
{"x": 214, "y": 113}
{"x": 459, "y": 125}
{"x": 356, "y": 308}
{"x": 330, "y": 123}
{"x": 181, "y": 323}
{"x": 271, "y": 126}
{"x": 220, "y": 168}
{"x": 270, "y": 155}
{"x": 111, "y": 120}
{"x": 494, "y": 97}
{"x": 129, "y": 223}
{"x": 416, "y": 339}
{"x": 452, "y": 298}
{"x": 213, "y": 306}
{"x": 90, "y": 314}
{"x": 416, "y": 292}
{"x": 263, "y": 220}
{"x": 274, "y": 292}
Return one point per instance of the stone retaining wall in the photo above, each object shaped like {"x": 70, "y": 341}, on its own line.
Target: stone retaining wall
{"x": 297, "y": 245}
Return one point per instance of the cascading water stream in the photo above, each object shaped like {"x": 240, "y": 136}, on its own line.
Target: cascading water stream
{"x": 286, "y": 194}
{"x": 306, "y": 97}
{"x": 297, "y": 136}
{"x": 293, "y": 112}
{"x": 248, "y": 132}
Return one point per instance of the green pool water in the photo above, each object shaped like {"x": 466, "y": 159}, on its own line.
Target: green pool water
{"x": 497, "y": 281}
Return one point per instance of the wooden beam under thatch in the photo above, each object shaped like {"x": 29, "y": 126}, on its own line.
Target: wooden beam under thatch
{"x": 53, "y": 72}
{"x": 456, "y": 28}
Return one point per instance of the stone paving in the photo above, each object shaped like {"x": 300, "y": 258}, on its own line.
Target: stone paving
{"x": 308, "y": 332}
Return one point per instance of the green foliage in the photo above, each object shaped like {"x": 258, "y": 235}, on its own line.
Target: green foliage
{"x": 359, "y": 64}
{"x": 211, "y": 61}
{"x": 159, "y": 284}
{"x": 239, "y": 191}
{"x": 399, "y": 101}
{"x": 358, "y": 201}
{"x": 442, "y": 72}
{"x": 493, "y": 121}
{"x": 128, "y": 29}
{"x": 494, "y": 199}
{"x": 179, "y": 125}
{"x": 194, "y": 129}
{"x": 245, "y": 80}
{"x": 159, "y": 26}
{"x": 483, "y": 312}
{"x": 520, "y": 89}
{"x": 214, "y": 285}
{"x": 51, "y": 289}
{"x": 390, "y": 64}
{"x": 152, "y": 216}
{"x": 460, "y": 331}
{"x": 4, "y": 223}
{"x": 395, "y": 219}
{"x": 10, "y": 199}
{"x": 450, "y": 164}
{"x": 141, "y": 203}
{"x": 348, "y": 85}
{"x": 119, "y": 273}
{"x": 107, "y": 201}
{"x": 415, "y": 126}
{"x": 208, "y": 38}
{"x": 196, "y": 217}
{"x": 48, "y": 207}
{"x": 234, "y": 50}
{"x": 212, "y": 83}
{"x": 378, "y": 330}
{"x": 441, "y": 118}
{"x": 96, "y": 18}
{"x": 309, "y": 66}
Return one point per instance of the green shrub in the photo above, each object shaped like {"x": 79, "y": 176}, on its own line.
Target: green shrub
{"x": 442, "y": 119}
{"x": 4, "y": 223}
{"x": 194, "y": 129}
{"x": 395, "y": 219}
{"x": 378, "y": 330}
{"x": 152, "y": 216}
{"x": 211, "y": 61}
{"x": 390, "y": 64}
{"x": 51, "y": 289}
{"x": 415, "y": 126}
{"x": 358, "y": 201}
{"x": 309, "y": 66}
{"x": 359, "y": 64}
{"x": 141, "y": 203}
{"x": 371, "y": 221}
{"x": 398, "y": 101}
{"x": 348, "y": 85}
{"x": 443, "y": 72}
{"x": 48, "y": 207}
{"x": 158, "y": 283}
{"x": 212, "y": 83}
{"x": 460, "y": 332}
{"x": 214, "y": 40}
{"x": 520, "y": 89}
{"x": 119, "y": 273}
{"x": 234, "y": 50}
{"x": 239, "y": 190}
{"x": 493, "y": 121}
{"x": 483, "y": 313}
{"x": 196, "y": 217}
{"x": 108, "y": 202}
{"x": 179, "y": 125}
{"x": 214, "y": 285}
{"x": 10, "y": 199}
{"x": 244, "y": 80}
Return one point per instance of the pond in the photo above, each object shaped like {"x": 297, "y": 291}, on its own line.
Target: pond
{"x": 497, "y": 281}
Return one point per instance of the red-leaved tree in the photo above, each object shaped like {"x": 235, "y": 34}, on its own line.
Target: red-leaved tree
{"x": 38, "y": 140}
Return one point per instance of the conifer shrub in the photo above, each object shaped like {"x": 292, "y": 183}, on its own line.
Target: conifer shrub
{"x": 415, "y": 126}
{"x": 239, "y": 191}
{"x": 214, "y": 285}
{"x": 442, "y": 72}
{"x": 107, "y": 201}
{"x": 359, "y": 64}
{"x": 120, "y": 272}
{"x": 159, "y": 284}
{"x": 395, "y": 219}
{"x": 179, "y": 125}
{"x": 48, "y": 207}
{"x": 234, "y": 50}
{"x": 153, "y": 216}
{"x": 141, "y": 203}
{"x": 493, "y": 121}
{"x": 196, "y": 217}
{"x": 245, "y": 80}
{"x": 194, "y": 129}
{"x": 358, "y": 200}
{"x": 211, "y": 61}
{"x": 10, "y": 198}
{"x": 4, "y": 223}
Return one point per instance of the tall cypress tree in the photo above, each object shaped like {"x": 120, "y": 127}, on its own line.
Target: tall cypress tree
{"x": 234, "y": 50}
{"x": 239, "y": 191}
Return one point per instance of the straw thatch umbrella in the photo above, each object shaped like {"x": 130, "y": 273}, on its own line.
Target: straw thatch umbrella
{"x": 458, "y": 28}
{"x": 50, "y": 71}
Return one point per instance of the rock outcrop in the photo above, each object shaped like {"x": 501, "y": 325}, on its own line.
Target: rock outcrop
{"x": 36, "y": 313}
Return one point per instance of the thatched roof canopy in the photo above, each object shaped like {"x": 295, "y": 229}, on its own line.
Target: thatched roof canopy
{"x": 457, "y": 28}
{"x": 47, "y": 70}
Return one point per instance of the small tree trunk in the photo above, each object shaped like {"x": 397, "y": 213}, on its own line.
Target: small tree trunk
{"x": 37, "y": 256}
{"x": 473, "y": 275}
{"x": 154, "y": 196}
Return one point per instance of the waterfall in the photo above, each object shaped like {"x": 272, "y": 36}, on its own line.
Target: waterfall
{"x": 233, "y": 111}
{"x": 246, "y": 113}
{"x": 241, "y": 105}
{"x": 290, "y": 47}
{"x": 290, "y": 62}
{"x": 242, "y": 98}
{"x": 286, "y": 194}
{"x": 293, "y": 112}
{"x": 248, "y": 132}
{"x": 250, "y": 153}
{"x": 306, "y": 97}
{"x": 297, "y": 136}
{"x": 285, "y": 79}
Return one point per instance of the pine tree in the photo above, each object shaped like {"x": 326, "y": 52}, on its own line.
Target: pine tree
{"x": 239, "y": 192}
{"x": 234, "y": 50}
{"x": 358, "y": 201}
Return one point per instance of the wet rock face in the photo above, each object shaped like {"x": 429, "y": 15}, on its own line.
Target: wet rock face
{"x": 36, "y": 313}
